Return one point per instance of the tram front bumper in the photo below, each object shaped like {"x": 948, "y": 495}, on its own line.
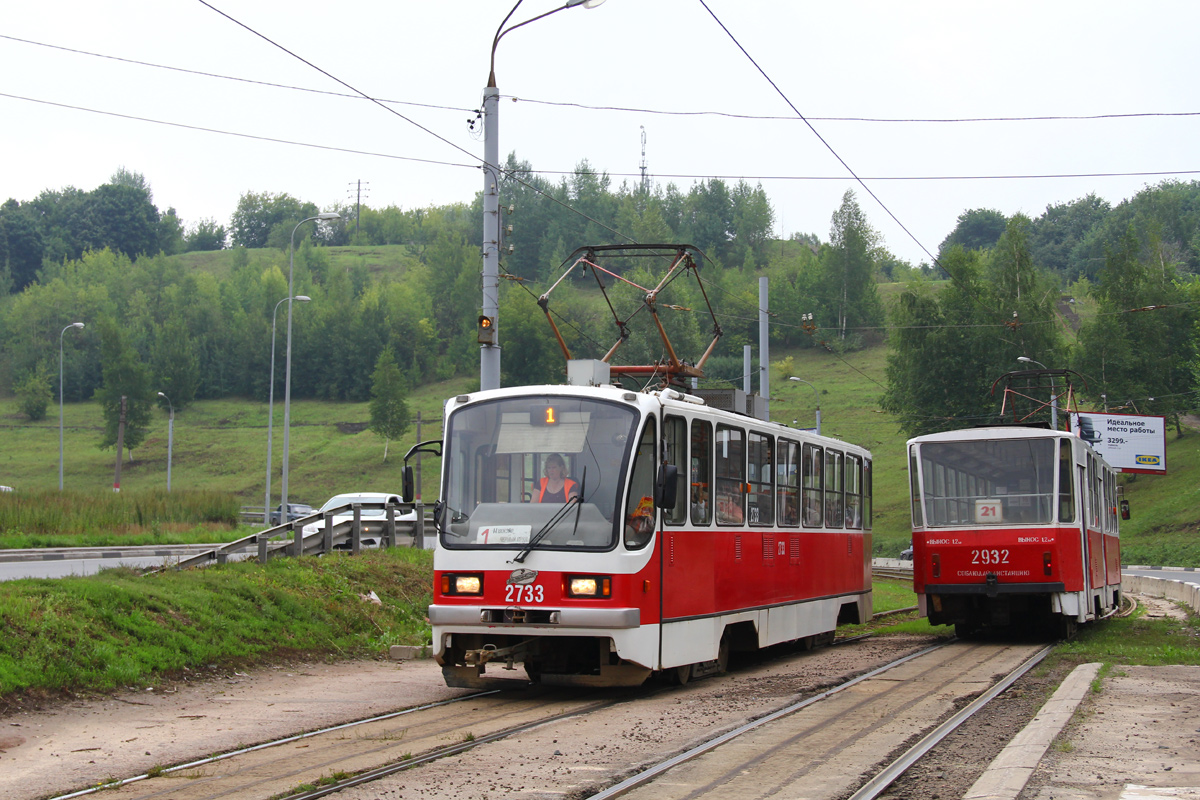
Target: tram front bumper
{"x": 514, "y": 617}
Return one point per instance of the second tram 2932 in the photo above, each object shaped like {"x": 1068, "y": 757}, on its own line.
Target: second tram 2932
{"x": 1013, "y": 527}
{"x": 676, "y": 533}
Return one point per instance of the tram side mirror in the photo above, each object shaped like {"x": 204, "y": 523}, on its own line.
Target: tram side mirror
{"x": 1124, "y": 509}
{"x": 666, "y": 489}
{"x": 406, "y": 485}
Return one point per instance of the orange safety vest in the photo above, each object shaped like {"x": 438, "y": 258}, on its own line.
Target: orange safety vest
{"x": 568, "y": 485}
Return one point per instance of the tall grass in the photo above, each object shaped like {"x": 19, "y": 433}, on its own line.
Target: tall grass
{"x": 38, "y": 517}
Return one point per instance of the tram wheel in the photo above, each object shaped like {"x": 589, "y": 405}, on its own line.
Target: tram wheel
{"x": 1067, "y": 627}
{"x": 681, "y": 675}
{"x": 965, "y": 630}
{"x": 723, "y": 654}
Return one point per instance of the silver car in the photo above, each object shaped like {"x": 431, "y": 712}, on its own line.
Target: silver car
{"x": 373, "y": 515}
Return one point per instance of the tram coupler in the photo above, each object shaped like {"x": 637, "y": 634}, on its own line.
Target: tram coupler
{"x": 489, "y": 653}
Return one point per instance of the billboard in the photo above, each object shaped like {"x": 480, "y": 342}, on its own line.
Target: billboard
{"x": 1129, "y": 442}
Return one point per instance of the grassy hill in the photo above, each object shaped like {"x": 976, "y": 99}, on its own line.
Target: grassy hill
{"x": 221, "y": 446}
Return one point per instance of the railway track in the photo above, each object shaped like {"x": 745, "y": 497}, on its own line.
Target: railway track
{"x": 823, "y": 745}
{"x": 564, "y": 742}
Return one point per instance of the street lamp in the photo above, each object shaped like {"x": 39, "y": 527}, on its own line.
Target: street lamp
{"x": 287, "y": 377}
{"x": 170, "y": 437}
{"x": 271, "y": 408}
{"x": 815, "y": 394}
{"x": 1053, "y": 394}
{"x": 60, "y": 400}
{"x": 489, "y": 353}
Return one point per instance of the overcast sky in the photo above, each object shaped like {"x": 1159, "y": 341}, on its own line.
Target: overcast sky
{"x": 918, "y": 60}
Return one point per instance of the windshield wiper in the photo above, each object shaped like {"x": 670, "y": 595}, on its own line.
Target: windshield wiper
{"x": 579, "y": 503}
{"x": 558, "y": 516}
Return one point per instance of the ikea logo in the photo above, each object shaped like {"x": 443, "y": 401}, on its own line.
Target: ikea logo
{"x": 1149, "y": 461}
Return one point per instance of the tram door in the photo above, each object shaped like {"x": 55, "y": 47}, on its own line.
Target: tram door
{"x": 688, "y": 562}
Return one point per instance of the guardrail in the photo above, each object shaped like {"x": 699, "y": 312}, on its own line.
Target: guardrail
{"x": 405, "y": 522}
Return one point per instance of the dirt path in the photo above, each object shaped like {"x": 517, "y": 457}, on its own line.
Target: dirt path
{"x": 61, "y": 746}
{"x": 1142, "y": 728}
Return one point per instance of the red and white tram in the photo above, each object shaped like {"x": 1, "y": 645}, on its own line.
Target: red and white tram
{"x": 1013, "y": 527}
{"x": 686, "y": 531}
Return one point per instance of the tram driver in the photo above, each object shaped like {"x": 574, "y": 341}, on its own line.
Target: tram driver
{"x": 555, "y": 487}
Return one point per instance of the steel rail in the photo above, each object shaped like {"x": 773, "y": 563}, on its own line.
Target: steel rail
{"x": 885, "y": 777}
{"x": 264, "y": 745}
{"x": 451, "y": 750}
{"x": 653, "y": 772}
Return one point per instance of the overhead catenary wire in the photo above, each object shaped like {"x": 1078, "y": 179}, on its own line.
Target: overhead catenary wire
{"x": 623, "y": 109}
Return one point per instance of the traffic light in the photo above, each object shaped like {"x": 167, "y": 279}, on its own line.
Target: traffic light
{"x": 487, "y": 329}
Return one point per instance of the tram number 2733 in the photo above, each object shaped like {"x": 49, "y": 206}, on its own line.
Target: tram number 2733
{"x": 529, "y": 593}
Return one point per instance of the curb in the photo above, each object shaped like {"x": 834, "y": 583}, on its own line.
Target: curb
{"x": 1008, "y": 773}
{"x": 130, "y": 551}
{"x": 405, "y": 652}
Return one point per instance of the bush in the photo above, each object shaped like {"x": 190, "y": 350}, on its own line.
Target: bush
{"x": 33, "y": 393}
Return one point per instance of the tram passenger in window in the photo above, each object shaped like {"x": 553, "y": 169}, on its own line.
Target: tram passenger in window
{"x": 556, "y": 487}
{"x": 729, "y": 509}
{"x": 699, "y": 504}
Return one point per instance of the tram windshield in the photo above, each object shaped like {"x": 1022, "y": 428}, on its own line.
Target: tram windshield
{"x": 990, "y": 482}
{"x": 513, "y": 465}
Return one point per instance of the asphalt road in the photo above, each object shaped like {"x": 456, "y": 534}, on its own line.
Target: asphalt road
{"x": 67, "y": 561}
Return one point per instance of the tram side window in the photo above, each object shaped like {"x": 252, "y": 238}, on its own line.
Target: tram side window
{"x": 867, "y": 493}
{"x": 731, "y": 475}
{"x": 914, "y": 488}
{"x": 1093, "y": 505}
{"x": 787, "y": 476}
{"x": 761, "y": 468}
{"x": 1110, "y": 519}
{"x": 854, "y": 492}
{"x": 1066, "y": 482}
{"x": 675, "y": 435}
{"x": 701, "y": 472}
{"x": 834, "y": 500}
{"x": 639, "y": 505}
{"x": 812, "y": 480}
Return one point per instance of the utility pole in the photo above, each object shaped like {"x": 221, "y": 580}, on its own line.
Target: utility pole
{"x": 120, "y": 443}
{"x": 645, "y": 177}
{"x": 356, "y": 193}
{"x": 764, "y": 352}
{"x": 418, "y": 497}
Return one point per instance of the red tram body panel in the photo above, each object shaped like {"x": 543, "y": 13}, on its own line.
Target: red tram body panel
{"x": 1013, "y": 526}
{"x": 692, "y": 531}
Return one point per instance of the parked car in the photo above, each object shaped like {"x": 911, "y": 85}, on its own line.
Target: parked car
{"x": 907, "y": 553}
{"x": 372, "y": 517}
{"x": 6, "y": 489}
{"x": 294, "y": 512}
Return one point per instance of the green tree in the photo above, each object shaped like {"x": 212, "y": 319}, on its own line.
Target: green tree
{"x": 1141, "y": 345}
{"x": 123, "y": 219}
{"x": 977, "y": 229}
{"x": 1061, "y": 228}
{"x": 531, "y": 353}
{"x": 848, "y": 290}
{"x": 267, "y": 220}
{"x": 20, "y": 244}
{"x": 206, "y": 235}
{"x": 389, "y": 411}
{"x": 33, "y": 392}
{"x": 176, "y": 364}
{"x": 948, "y": 347}
{"x": 125, "y": 374}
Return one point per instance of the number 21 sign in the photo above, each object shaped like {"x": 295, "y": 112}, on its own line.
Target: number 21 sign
{"x": 988, "y": 511}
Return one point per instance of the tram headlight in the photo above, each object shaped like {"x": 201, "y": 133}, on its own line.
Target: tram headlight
{"x": 589, "y": 586}
{"x": 456, "y": 584}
